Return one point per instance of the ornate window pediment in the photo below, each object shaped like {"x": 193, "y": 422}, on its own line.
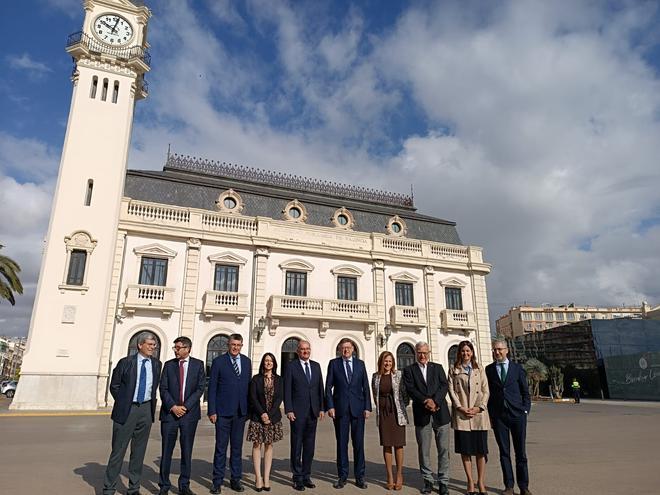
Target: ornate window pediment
{"x": 227, "y": 258}
{"x": 452, "y": 282}
{"x": 155, "y": 250}
{"x": 404, "y": 277}
{"x": 347, "y": 270}
{"x": 80, "y": 240}
{"x": 297, "y": 265}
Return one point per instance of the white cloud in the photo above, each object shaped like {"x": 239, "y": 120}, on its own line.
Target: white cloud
{"x": 25, "y": 62}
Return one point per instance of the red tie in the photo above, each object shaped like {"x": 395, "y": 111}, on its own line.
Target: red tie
{"x": 181, "y": 375}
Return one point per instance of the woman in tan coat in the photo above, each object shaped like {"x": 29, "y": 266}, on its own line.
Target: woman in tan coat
{"x": 468, "y": 388}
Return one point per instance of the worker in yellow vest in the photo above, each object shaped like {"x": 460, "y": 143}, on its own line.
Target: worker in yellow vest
{"x": 576, "y": 390}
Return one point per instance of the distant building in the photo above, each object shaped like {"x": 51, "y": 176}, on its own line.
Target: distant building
{"x": 612, "y": 359}
{"x": 521, "y": 320}
{"x": 11, "y": 356}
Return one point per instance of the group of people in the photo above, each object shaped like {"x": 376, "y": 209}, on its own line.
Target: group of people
{"x": 496, "y": 397}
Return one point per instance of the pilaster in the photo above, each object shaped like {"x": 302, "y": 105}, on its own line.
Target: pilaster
{"x": 482, "y": 335}
{"x": 380, "y": 300}
{"x": 111, "y": 318}
{"x": 189, "y": 298}
{"x": 431, "y": 316}
{"x": 258, "y": 299}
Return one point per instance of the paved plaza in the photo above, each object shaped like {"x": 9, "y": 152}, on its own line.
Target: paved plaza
{"x": 591, "y": 448}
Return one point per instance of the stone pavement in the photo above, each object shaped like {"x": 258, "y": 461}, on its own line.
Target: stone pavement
{"x": 592, "y": 448}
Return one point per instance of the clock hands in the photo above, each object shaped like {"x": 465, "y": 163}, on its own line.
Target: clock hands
{"x": 115, "y": 27}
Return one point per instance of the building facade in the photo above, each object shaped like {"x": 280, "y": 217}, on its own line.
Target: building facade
{"x": 11, "y": 357}
{"x": 521, "y": 320}
{"x": 206, "y": 249}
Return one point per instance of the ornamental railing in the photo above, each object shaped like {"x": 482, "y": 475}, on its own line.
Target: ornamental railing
{"x": 122, "y": 53}
{"x": 261, "y": 176}
{"x": 324, "y": 309}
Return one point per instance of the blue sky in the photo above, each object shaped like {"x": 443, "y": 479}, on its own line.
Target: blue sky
{"x": 534, "y": 125}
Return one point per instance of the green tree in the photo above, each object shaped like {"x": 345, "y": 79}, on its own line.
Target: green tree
{"x": 537, "y": 372}
{"x": 9, "y": 281}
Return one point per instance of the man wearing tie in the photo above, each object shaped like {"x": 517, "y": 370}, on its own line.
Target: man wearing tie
{"x": 426, "y": 383}
{"x": 228, "y": 409}
{"x": 181, "y": 387}
{"x": 508, "y": 406}
{"x": 348, "y": 400}
{"x": 303, "y": 405}
{"x": 133, "y": 387}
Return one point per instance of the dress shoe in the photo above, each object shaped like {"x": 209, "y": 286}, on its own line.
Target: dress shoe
{"x": 508, "y": 491}
{"x": 525, "y": 491}
{"x": 216, "y": 489}
{"x": 258, "y": 488}
{"x": 309, "y": 484}
{"x": 428, "y": 487}
{"x": 266, "y": 488}
{"x": 163, "y": 491}
{"x": 340, "y": 483}
{"x": 360, "y": 483}
{"x": 443, "y": 489}
{"x": 236, "y": 485}
{"x": 186, "y": 491}
{"x": 299, "y": 486}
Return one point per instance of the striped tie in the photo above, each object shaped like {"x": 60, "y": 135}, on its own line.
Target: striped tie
{"x": 236, "y": 370}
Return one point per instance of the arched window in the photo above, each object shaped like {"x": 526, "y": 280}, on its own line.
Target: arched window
{"x": 405, "y": 356}
{"x": 356, "y": 352}
{"x": 288, "y": 354}
{"x": 217, "y": 346}
{"x": 451, "y": 356}
{"x": 132, "y": 344}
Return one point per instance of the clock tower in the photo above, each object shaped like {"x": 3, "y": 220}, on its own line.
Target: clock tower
{"x": 66, "y": 362}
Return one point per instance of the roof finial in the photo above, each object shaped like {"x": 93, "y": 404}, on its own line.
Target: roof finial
{"x": 168, "y": 151}
{"x": 412, "y": 195}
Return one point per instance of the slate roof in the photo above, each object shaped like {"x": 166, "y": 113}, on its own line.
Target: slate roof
{"x": 200, "y": 189}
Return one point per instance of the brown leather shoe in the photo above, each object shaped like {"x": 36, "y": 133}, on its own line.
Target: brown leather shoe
{"x": 525, "y": 492}
{"x": 508, "y": 491}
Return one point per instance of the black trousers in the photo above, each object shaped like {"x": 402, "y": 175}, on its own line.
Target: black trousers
{"x": 169, "y": 431}
{"x": 303, "y": 443}
{"x": 506, "y": 428}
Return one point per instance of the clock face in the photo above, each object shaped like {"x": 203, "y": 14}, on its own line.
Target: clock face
{"x": 113, "y": 29}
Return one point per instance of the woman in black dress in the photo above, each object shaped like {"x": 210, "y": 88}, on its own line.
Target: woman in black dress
{"x": 265, "y": 427}
{"x": 391, "y": 399}
{"x": 468, "y": 389}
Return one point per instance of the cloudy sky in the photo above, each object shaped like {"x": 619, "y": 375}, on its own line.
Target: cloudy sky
{"x": 534, "y": 125}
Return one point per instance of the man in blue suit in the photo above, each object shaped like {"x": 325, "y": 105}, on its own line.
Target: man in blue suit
{"x": 348, "y": 400}
{"x": 508, "y": 407}
{"x": 228, "y": 409}
{"x": 303, "y": 404}
{"x": 133, "y": 387}
{"x": 181, "y": 386}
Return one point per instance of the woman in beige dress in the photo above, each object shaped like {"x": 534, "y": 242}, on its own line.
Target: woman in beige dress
{"x": 391, "y": 417}
{"x": 468, "y": 389}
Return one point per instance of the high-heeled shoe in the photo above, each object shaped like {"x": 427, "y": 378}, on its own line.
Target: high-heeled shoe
{"x": 399, "y": 483}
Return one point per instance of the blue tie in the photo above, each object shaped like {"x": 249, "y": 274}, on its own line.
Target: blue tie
{"x": 307, "y": 372}
{"x": 349, "y": 371}
{"x": 142, "y": 386}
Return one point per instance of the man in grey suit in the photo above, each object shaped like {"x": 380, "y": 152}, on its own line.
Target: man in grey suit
{"x": 133, "y": 386}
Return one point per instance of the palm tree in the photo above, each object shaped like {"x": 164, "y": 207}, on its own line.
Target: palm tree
{"x": 9, "y": 281}
{"x": 557, "y": 381}
{"x": 537, "y": 372}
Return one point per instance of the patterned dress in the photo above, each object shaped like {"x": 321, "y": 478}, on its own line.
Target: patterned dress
{"x": 259, "y": 432}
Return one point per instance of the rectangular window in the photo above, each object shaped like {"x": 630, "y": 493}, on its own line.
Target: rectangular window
{"x": 559, "y": 316}
{"x": 549, "y": 317}
{"x": 347, "y": 288}
{"x": 153, "y": 272}
{"x": 226, "y": 278}
{"x": 538, "y": 316}
{"x": 526, "y": 316}
{"x": 77, "y": 263}
{"x": 404, "y": 294}
{"x": 453, "y": 298}
{"x": 296, "y": 284}
{"x": 570, "y": 316}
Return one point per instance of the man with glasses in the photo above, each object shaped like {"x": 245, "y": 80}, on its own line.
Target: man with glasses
{"x": 508, "y": 406}
{"x": 133, "y": 387}
{"x": 426, "y": 383}
{"x": 228, "y": 409}
{"x": 181, "y": 387}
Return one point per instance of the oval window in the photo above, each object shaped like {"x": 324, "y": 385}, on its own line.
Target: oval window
{"x": 342, "y": 220}
{"x": 230, "y": 203}
{"x": 294, "y": 212}
{"x": 396, "y": 227}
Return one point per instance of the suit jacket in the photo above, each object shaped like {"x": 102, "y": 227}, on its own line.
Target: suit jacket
{"x": 301, "y": 396}
{"x": 122, "y": 386}
{"x": 169, "y": 390}
{"x": 228, "y": 393}
{"x": 514, "y": 391}
{"x": 347, "y": 398}
{"x": 435, "y": 387}
{"x": 257, "y": 399}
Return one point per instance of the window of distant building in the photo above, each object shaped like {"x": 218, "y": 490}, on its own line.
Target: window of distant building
{"x": 526, "y": 316}
{"x": 549, "y": 317}
{"x": 570, "y": 316}
{"x": 538, "y": 316}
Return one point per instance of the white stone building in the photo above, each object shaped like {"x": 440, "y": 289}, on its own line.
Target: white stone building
{"x": 206, "y": 249}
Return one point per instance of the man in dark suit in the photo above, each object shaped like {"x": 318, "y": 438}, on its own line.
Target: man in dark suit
{"x": 426, "y": 383}
{"x": 181, "y": 386}
{"x": 228, "y": 409}
{"x": 303, "y": 405}
{"x": 348, "y": 400}
{"x": 133, "y": 387}
{"x": 508, "y": 406}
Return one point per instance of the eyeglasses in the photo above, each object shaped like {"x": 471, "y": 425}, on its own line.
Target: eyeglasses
{"x": 179, "y": 347}
{"x": 422, "y": 353}
{"x": 497, "y": 349}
